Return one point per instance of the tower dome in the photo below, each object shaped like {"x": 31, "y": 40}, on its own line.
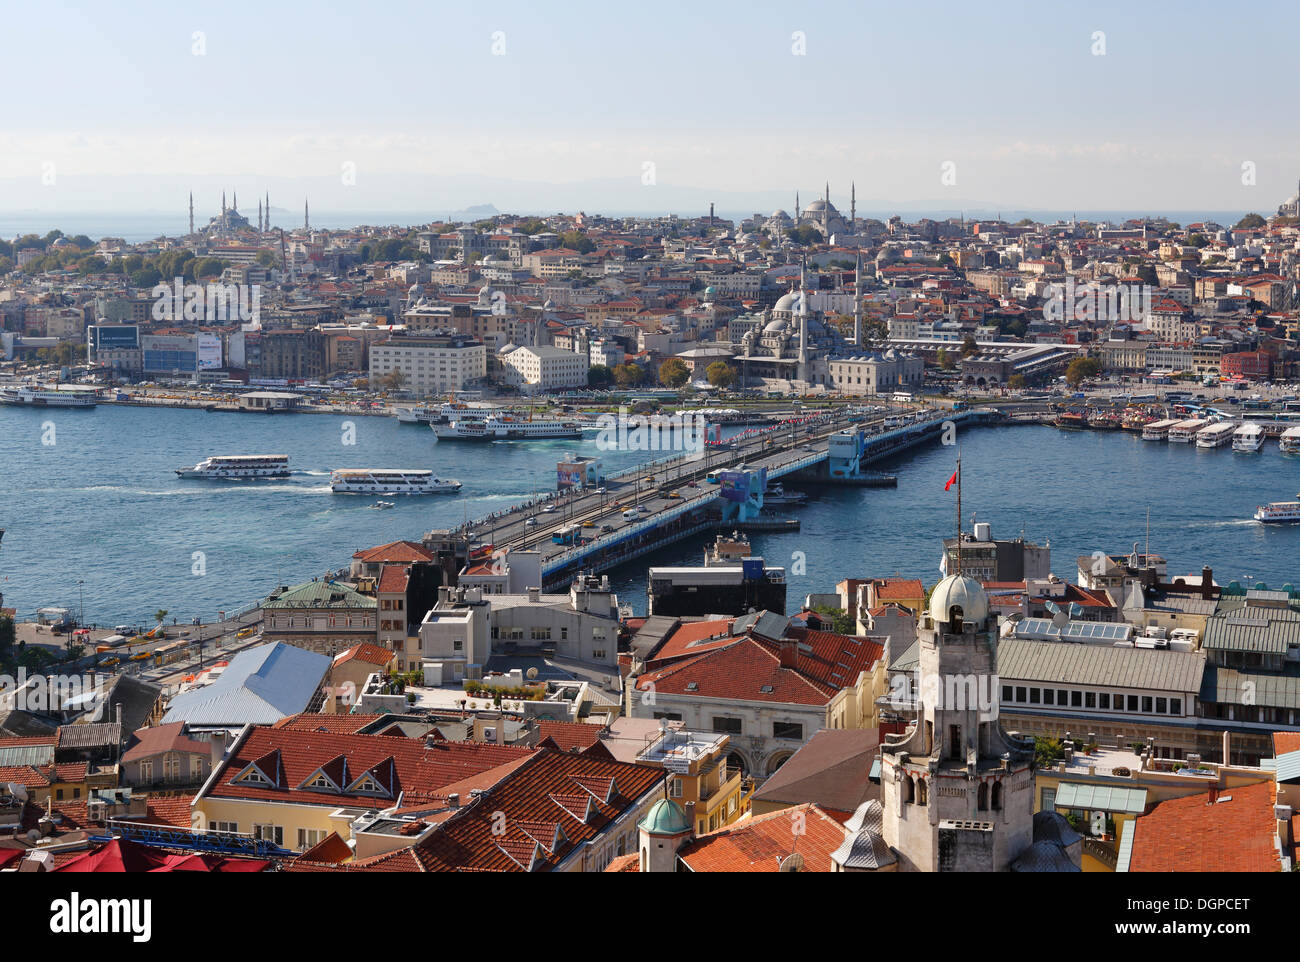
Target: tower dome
{"x": 665, "y": 817}
{"x": 959, "y": 591}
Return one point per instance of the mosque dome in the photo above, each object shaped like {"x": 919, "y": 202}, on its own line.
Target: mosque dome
{"x": 961, "y": 592}
{"x": 775, "y": 327}
{"x": 779, "y": 215}
{"x": 787, "y": 302}
{"x": 665, "y": 817}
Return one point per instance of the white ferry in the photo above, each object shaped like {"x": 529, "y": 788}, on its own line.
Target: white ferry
{"x": 1248, "y": 437}
{"x": 1184, "y": 431}
{"x": 1290, "y": 441}
{"x": 1279, "y": 512}
{"x": 1158, "y": 430}
{"x": 439, "y": 415}
{"x": 390, "y": 481}
{"x": 1215, "y": 435}
{"x": 50, "y": 397}
{"x": 505, "y": 428}
{"x": 777, "y": 494}
{"x": 238, "y": 467}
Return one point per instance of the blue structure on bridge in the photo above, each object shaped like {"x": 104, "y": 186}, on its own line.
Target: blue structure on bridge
{"x": 844, "y": 453}
{"x": 741, "y": 493}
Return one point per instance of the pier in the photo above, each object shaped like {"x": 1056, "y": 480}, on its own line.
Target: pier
{"x": 657, "y": 504}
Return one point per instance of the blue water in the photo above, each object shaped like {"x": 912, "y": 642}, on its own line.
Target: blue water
{"x": 102, "y": 505}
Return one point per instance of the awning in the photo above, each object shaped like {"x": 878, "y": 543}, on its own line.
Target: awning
{"x": 1101, "y": 798}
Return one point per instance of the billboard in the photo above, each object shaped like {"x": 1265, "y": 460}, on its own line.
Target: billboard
{"x": 208, "y": 351}
{"x": 569, "y": 476}
{"x": 734, "y": 485}
{"x": 115, "y": 337}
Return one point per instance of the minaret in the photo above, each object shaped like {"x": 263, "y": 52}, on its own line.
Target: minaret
{"x": 796, "y": 208}
{"x": 268, "y": 210}
{"x": 857, "y": 301}
{"x": 803, "y": 323}
{"x": 223, "y": 203}
{"x": 259, "y": 215}
{"x": 234, "y": 202}
{"x": 853, "y": 209}
{"x": 191, "y": 212}
{"x": 306, "y": 216}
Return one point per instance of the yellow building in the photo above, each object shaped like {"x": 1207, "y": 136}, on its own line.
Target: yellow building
{"x": 711, "y": 792}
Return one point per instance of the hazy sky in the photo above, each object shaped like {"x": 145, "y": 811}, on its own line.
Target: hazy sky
{"x": 525, "y": 105}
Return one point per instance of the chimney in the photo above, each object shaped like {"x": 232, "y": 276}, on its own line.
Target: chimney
{"x": 218, "y": 747}
{"x": 534, "y": 594}
{"x": 1207, "y": 582}
{"x": 789, "y": 653}
{"x": 453, "y": 800}
{"x": 1227, "y": 748}
{"x": 690, "y": 815}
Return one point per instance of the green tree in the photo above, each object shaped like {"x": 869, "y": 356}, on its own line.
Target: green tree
{"x": 1251, "y": 220}
{"x": 946, "y": 363}
{"x": 721, "y": 375}
{"x": 628, "y": 375}
{"x": 160, "y": 615}
{"x": 842, "y": 623}
{"x": 673, "y": 372}
{"x": 598, "y": 375}
{"x": 577, "y": 241}
{"x": 1047, "y": 751}
{"x": 1081, "y": 369}
{"x": 968, "y": 346}
{"x": 1016, "y": 382}
{"x": 7, "y": 636}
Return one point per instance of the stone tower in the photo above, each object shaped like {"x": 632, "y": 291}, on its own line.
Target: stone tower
{"x": 957, "y": 789}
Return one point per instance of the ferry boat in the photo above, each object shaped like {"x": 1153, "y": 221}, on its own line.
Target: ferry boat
{"x": 390, "y": 481}
{"x": 29, "y": 395}
{"x": 1184, "y": 431}
{"x": 1248, "y": 437}
{"x": 505, "y": 428}
{"x": 1290, "y": 440}
{"x": 1215, "y": 435}
{"x": 238, "y": 467}
{"x": 1279, "y": 512}
{"x": 1158, "y": 430}
{"x": 776, "y": 494}
{"x": 437, "y": 415}
{"x": 1066, "y": 419}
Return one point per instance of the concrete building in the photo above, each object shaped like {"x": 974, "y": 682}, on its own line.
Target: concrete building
{"x": 540, "y": 370}
{"x": 877, "y": 373}
{"x": 430, "y": 364}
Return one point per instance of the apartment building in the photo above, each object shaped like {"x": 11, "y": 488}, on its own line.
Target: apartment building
{"x": 430, "y": 364}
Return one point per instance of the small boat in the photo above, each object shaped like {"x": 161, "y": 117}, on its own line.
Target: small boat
{"x": 776, "y": 494}
{"x": 1279, "y": 512}
{"x": 384, "y": 504}
{"x": 1248, "y": 437}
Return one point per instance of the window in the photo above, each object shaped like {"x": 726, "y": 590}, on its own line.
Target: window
{"x": 1076, "y": 699}
{"x": 787, "y": 730}
{"x": 1103, "y": 700}
{"x": 675, "y": 788}
{"x": 731, "y": 726}
{"x": 1062, "y": 697}
{"x": 1132, "y": 702}
{"x": 1049, "y": 696}
{"x": 1090, "y": 699}
{"x": 269, "y": 833}
{"x": 1035, "y": 696}
{"x": 997, "y": 796}
{"x": 1175, "y": 706}
{"x": 309, "y": 837}
{"x": 146, "y": 771}
{"x": 1021, "y": 696}
{"x": 231, "y": 827}
{"x": 598, "y": 653}
{"x": 1008, "y": 695}
{"x": 1162, "y": 705}
{"x": 1146, "y": 704}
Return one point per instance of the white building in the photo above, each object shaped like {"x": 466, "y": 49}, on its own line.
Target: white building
{"x": 430, "y": 364}
{"x": 539, "y": 370}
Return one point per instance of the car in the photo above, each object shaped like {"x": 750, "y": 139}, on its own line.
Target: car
{"x": 548, "y": 509}
{"x": 606, "y": 528}
{"x": 601, "y": 489}
{"x": 531, "y": 522}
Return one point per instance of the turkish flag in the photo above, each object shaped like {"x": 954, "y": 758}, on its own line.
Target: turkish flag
{"x": 951, "y": 481}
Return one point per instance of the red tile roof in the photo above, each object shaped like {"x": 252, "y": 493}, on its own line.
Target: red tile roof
{"x": 366, "y": 654}
{"x": 569, "y": 736}
{"x": 326, "y": 721}
{"x": 1236, "y": 833}
{"x": 542, "y": 803}
{"x": 393, "y": 579}
{"x": 290, "y": 758}
{"x": 397, "y": 552}
{"x": 759, "y": 844}
{"x": 163, "y": 738}
{"x": 1284, "y": 742}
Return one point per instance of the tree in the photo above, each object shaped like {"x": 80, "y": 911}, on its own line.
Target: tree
{"x": 721, "y": 375}
{"x": 1251, "y": 220}
{"x": 946, "y": 363}
{"x": 673, "y": 372}
{"x": 968, "y": 346}
{"x": 1016, "y": 382}
{"x": 598, "y": 375}
{"x": 160, "y": 615}
{"x": 7, "y": 635}
{"x": 628, "y": 375}
{"x": 842, "y": 623}
{"x": 1081, "y": 369}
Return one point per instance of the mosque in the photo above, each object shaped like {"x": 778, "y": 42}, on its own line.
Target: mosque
{"x": 821, "y": 215}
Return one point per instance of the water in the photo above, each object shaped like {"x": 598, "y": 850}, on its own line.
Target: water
{"x": 102, "y": 505}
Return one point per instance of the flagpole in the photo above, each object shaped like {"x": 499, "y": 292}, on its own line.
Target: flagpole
{"x": 958, "y": 572}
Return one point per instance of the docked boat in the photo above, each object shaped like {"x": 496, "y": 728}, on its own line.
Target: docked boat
{"x": 29, "y": 395}
{"x": 505, "y": 428}
{"x": 1066, "y": 419}
{"x": 1290, "y": 440}
{"x": 1279, "y": 512}
{"x": 438, "y": 415}
{"x": 776, "y": 494}
{"x": 1248, "y": 437}
{"x": 1184, "y": 432}
{"x": 1215, "y": 435}
{"x": 238, "y": 467}
{"x": 1158, "y": 430}
{"x": 390, "y": 481}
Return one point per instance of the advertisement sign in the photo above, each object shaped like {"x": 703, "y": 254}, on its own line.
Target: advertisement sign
{"x": 208, "y": 350}
{"x": 734, "y": 485}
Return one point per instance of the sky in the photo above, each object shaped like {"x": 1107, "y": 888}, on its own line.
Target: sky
{"x": 640, "y": 106}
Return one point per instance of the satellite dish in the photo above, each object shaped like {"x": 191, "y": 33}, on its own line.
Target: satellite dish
{"x": 532, "y": 673}
{"x": 1060, "y": 619}
{"x": 33, "y": 836}
{"x": 791, "y": 863}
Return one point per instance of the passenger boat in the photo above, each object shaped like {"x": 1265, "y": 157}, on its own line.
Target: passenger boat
{"x": 238, "y": 467}
{"x": 776, "y": 494}
{"x": 1158, "y": 430}
{"x": 29, "y": 395}
{"x": 1184, "y": 432}
{"x": 390, "y": 481}
{"x": 1248, "y": 437}
{"x": 1215, "y": 435}
{"x": 1068, "y": 419}
{"x": 438, "y": 415}
{"x": 1279, "y": 512}
{"x": 505, "y": 428}
{"x": 1290, "y": 440}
